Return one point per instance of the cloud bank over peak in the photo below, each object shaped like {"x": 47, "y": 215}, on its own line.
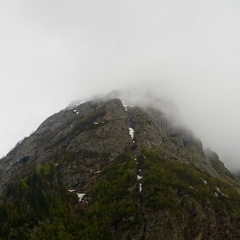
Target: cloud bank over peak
{"x": 55, "y": 51}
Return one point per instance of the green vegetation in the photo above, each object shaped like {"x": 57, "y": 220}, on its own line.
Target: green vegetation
{"x": 41, "y": 202}
{"x": 39, "y": 207}
{"x": 166, "y": 181}
{"x": 114, "y": 204}
{"x": 38, "y": 200}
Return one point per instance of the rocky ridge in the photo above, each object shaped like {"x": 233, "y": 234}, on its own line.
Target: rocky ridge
{"x": 102, "y": 129}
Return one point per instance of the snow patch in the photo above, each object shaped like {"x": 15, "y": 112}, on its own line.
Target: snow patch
{"x": 95, "y": 123}
{"x": 139, "y": 177}
{"x": 223, "y": 194}
{"x": 125, "y": 106}
{"x": 97, "y": 172}
{"x": 131, "y": 132}
{"x": 80, "y": 196}
{"x": 140, "y": 187}
{"x": 71, "y": 190}
{"x": 205, "y": 182}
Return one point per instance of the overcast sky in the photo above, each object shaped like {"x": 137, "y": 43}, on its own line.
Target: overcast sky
{"x": 55, "y": 51}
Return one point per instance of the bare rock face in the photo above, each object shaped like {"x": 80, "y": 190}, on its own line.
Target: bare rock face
{"x": 154, "y": 130}
{"x": 96, "y": 132}
{"x": 219, "y": 167}
{"x": 217, "y": 164}
{"x": 91, "y": 135}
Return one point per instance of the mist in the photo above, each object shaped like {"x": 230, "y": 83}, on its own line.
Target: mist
{"x": 53, "y": 52}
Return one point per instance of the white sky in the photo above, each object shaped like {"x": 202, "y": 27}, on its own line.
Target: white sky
{"x": 55, "y": 51}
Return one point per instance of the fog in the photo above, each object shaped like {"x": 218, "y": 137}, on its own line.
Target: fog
{"x": 55, "y": 51}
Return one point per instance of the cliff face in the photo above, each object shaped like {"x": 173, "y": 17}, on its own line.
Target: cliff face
{"x": 104, "y": 170}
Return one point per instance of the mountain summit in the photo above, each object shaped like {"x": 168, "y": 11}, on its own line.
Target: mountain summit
{"x": 102, "y": 169}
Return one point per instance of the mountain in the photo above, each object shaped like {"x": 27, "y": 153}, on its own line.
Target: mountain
{"x": 104, "y": 170}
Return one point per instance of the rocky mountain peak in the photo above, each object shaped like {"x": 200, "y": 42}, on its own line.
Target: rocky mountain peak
{"x": 102, "y": 128}
{"x": 91, "y": 146}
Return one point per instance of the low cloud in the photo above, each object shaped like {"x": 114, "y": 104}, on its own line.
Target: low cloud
{"x": 53, "y": 52}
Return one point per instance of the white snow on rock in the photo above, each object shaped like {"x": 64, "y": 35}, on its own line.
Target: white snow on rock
{"x": 140, "y": 187}
{"x": 223, "y": 194}
{"x": 131, "y": 132}
{"x": 97, "y": 172}
{"x": 215, "y": 194}
{"x": 71, "y": 190}
{"x": 80, "y": 196}
{"x": 205, "y": 182}
{"x": 96, "y": 123}
{"x": 125, "y": 106}
{"x": 139, "y": 177}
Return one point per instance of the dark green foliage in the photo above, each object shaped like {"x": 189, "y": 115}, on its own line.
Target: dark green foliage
{"x": 39, "y": 207}
{"x": 166, "y": 181}
{"x": 114, "y": 206}
{"x": 40, "y": 201}
{"x": 33, "y": 200}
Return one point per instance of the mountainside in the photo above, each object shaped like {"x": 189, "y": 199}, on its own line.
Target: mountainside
{"x": 104, "y": 170}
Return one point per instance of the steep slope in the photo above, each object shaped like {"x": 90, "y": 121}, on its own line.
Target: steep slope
{"x": 96, "y": 130}
{"x": 104, "y": 170}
